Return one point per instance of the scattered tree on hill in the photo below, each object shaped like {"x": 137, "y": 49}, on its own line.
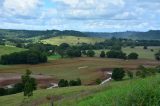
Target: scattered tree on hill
{"x": 145, "y": 47}
{"x": 118, "y": 74}
{"x": 90, "y": 53}
{"x": 73, "y": 52}
{"x": 102, "y": 54}
{"x": 133, "y": 56}
{"x": 29, "y": 84}
{"x": 116, "y": 54}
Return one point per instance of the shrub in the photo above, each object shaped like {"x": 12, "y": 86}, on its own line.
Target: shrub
{"x": 102, "y": 54}
{"x": 90, "y": 53}
{"x": 118, "y": 74}
{"x": 130, "y": 74}
{"x": 3, "y": 91}
{"x": 98, "y": 81}
{"x": 157, "y": 56}
{"x": 133, "y": 56}
{"x": 145, "y": 47}
{"x": 63, "y": 83}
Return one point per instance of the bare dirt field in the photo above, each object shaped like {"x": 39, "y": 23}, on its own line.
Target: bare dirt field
{"x": 88, "y": 69}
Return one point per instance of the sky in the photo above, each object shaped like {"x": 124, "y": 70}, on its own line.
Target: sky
{"x": 81, "y": 15}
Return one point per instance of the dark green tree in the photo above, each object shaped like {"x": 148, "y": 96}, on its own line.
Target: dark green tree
{"x": 90, "y": 53}
{"x": 133, "y": 56}
{"x": 102, "y": 54}
{"x": 29, "y": 83}
{"x": 118, "y": 74}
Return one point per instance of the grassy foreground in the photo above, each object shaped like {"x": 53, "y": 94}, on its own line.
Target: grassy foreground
{"x": 72, "y": 40}
{"x": 124, "y": 93}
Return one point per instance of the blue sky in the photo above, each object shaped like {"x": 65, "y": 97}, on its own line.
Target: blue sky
{"x": 82, "y": 15}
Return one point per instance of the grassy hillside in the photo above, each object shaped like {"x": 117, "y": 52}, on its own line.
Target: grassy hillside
{"x": 114, "y": 93}
{"x": 9, "y": 49}
{"x": 72, "y": 40}
{"x": 143, "y": 53}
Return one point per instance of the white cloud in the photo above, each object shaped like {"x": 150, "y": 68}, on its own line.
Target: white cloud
{"x": 20, "y": 7}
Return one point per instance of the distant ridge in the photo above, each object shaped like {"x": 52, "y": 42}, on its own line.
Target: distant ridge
{"x": 149, "y": 35}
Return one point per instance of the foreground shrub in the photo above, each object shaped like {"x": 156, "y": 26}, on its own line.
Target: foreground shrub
{"x": 118, "y": 74}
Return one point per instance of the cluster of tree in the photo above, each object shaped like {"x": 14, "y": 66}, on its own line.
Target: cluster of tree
{"x": 65, "y": 83}
{"x": 118, "y": 54}
{"x": 27, "y": 85}
{"x": 24, "y": 57}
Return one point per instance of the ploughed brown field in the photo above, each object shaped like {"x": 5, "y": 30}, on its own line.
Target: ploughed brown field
{"x": 87, "y": 69}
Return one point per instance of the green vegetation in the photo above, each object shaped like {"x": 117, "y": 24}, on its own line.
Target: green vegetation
{"x": 72, "y": 40}
{"x": 143, "y": 54}
{"x": 9, "y": 49}
{"x": 118, "y": 74}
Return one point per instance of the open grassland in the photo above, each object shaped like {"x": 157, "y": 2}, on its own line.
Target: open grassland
{"x": 143, "y": 53}
{"x": 72, "y": 40}
{"x": 9, "y": 49}
{"x": 87, "y": 69}
{"x": 119, "y": 93}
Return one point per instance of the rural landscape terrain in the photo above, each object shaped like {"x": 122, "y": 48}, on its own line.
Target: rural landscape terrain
{"x": 79, "y": 53}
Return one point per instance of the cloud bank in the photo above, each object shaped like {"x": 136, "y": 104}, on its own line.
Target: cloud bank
{"x": 83, "y": 15}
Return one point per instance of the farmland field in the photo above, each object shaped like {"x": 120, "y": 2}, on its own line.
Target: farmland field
{"x": 87, "y": 95}
{"x": 72, "y": 40}
{"x": 143, "y": 53}
{"x": 9, "y": 49}
{"x": 88, "y": 69}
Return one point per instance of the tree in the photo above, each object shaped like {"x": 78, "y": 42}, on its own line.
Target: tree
{"x": 102, "y": 54}
{"x": 133, "y": 56}
{"x": 29, "y": 83}
{"x": 3, "y": 91}
{"x": 145, "y": 47}
{"x": 63, "y": 83}
{"x": 90, "y": 53}
{"x": 157, "y": 56}
{"x": 116, "y": 54}
{"x": 118, "y": 74}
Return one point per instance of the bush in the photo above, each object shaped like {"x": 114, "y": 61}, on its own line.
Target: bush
{"x": 102, "y": 54}
{"x": 74, "y": 52}
{"x": 98, "y": 81}
{"x": 118, "y": 74}
{"x": 3, "y": 92}
{"x": 63, "y": 83}
{"x": 144, "y": 72}
{"x": 133, "y": 56}
{"x": 157, "y": 56}
{"x": 90, "y": 53}
{"x": 145, "y": 47}
{"x": 75, "y": 82}
{"x": 130, "y": 74}
{"x": 116, "y": 54}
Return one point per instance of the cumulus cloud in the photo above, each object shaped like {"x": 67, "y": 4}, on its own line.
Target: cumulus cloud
{"x": 84, "y": 15}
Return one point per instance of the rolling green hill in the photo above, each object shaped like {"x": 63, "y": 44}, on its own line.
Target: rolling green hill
{"x": 72, "y": 40}
{"x": 9, "y": 49}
